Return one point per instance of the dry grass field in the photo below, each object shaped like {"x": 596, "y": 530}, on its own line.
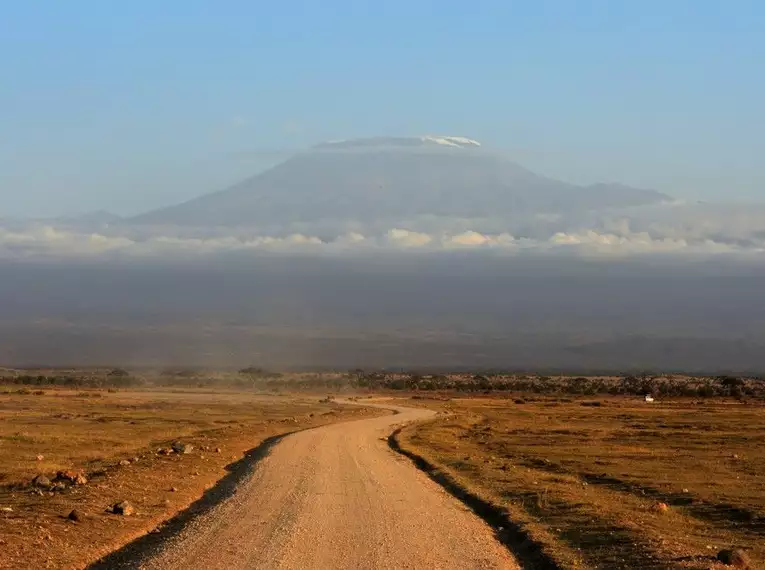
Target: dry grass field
{"x": 613, "y": 482}
{"x": 607, "y": 482}
{"x": 112, "y": 437}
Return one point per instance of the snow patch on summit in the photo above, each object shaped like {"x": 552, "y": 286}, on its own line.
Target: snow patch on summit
{"x": 400, "y": 142}
{"x": 450, "y": 141}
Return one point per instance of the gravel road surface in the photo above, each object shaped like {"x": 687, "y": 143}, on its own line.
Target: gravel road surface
{"x": 336, "y": 497}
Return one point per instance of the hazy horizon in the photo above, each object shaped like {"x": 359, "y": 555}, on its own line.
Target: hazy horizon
{"x": 455, "y": 310}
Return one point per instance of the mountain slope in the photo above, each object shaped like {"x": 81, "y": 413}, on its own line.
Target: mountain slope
{"x": 393, "y": 178}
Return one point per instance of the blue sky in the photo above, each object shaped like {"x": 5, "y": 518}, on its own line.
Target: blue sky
{"x": 133, "y": 105}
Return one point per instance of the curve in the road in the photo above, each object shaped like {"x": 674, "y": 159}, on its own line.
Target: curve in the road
{"x": 336, "y": 497}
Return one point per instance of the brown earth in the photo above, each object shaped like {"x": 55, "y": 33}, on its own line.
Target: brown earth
{"x": 92, "y": 432}
{"x": 609, "y": 483}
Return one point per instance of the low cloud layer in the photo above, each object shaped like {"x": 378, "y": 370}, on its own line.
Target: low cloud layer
{"x": 673, "y": 228}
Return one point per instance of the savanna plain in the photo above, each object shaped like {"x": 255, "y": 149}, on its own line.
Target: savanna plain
{"x": 571, "y": 472}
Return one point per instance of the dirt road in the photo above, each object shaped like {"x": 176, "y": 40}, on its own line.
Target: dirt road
{"x": 336, "y": 497}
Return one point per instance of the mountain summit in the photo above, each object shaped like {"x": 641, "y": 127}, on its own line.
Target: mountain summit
{"x": 394, "y": 179}
{"x": 401, "y": 142}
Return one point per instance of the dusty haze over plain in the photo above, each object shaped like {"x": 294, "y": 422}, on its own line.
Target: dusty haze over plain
{"x": 453, "y": 310}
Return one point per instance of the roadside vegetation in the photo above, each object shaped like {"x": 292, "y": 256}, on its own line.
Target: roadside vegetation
{"x": 659, "y": 385}
{"x": 257, "y": 378}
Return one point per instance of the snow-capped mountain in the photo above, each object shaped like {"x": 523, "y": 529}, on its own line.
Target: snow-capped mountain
{"x": 392, "y": 179}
